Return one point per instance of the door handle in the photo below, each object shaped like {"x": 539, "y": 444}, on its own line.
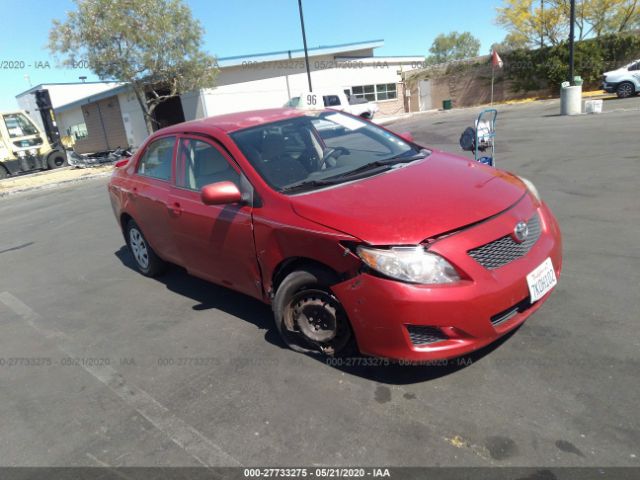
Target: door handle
{"x": 176, "y": 209}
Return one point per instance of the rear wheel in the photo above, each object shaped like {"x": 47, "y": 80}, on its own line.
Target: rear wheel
{"x": 625, "y": 90}
{"x": 3, "y": 172}
{"x": 309, "y": 317}
{"x": 56, "y": 159}
{"x": 147, "y": 261}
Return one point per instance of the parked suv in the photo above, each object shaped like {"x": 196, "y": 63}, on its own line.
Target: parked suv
{"x": 624, "y": 82}
{"x": 358, "y": 237}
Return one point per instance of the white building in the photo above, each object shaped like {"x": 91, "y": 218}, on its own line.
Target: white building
{"x": 103, "y": 116}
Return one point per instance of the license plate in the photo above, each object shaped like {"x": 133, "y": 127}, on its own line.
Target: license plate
{"x": 541, "y": 280}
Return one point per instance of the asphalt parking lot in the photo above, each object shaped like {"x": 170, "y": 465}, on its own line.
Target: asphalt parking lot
{"x": 102, "y": 366}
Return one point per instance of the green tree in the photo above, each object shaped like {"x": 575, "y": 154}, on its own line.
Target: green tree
{"x": 546, "y": 22}
{"x": 154, "y": 45}
{"x": 453, "y": 46}
{"x": 512, "y": 41}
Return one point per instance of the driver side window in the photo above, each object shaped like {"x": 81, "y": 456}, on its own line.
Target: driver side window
{"x": 200, "y": 163}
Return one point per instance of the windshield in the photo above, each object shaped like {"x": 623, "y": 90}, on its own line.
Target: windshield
{"x": 18, "y": 125}
{"x": 319, "y": 149}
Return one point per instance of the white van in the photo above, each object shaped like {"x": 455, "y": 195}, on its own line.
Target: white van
{"x": 334, "y": 100}
{"x": 624, "y": 82}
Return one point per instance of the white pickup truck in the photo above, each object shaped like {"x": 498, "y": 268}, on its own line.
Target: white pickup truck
{"x": 624, "y": 82}
{"x": 336, "y": 101}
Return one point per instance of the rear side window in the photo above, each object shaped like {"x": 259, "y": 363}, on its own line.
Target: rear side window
{"x": 156, "y": 160}
{"x": 635, "y": 66}
{"x": 200, "y": 163}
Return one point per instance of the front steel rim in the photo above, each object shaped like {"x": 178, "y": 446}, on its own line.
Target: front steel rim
{"x": 139, "y": 248}
{"x": 318, "y": 319}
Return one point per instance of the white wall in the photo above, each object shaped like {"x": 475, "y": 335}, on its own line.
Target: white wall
{"x": 133, "y": 119}
{"x": 252, "y": 87}
{"x": 68, "y": 118}
{"x": 193, "y": 105}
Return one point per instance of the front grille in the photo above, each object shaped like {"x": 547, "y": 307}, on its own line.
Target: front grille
{"x": 504, "y": 250}
{"x": 421, "y": 335}
{"x": 510, "y": 312}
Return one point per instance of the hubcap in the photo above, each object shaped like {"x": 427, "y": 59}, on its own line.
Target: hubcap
{"x": 59, "y": 161}
{"x": 625, "y": 90}
{"x": 139, "y": 248}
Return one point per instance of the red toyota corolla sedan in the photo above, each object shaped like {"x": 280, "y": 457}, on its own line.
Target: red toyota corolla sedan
{"x": 356, "y": 236}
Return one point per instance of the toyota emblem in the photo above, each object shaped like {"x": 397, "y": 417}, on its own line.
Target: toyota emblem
{"x": 521, "y": 232}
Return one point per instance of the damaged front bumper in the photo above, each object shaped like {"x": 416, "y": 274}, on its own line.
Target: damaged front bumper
{"x": 404, "y": 321}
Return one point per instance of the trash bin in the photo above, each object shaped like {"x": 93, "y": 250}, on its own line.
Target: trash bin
{"x": 570, "y": 99}
{"x": 446, "y": 104}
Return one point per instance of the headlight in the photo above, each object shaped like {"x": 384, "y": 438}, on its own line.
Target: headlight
{"x": 531, "y": 187}
{"x": 21, "y": 153}
{"x": 410, "y": 264}
{"x": 33, "y": 151}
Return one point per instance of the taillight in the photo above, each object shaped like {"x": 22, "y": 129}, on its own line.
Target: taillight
{"x": 122, "y": 163}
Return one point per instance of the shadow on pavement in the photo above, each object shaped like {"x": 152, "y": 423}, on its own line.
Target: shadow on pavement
{"x": 399, "y": 373}
{"x": 211, "y": 296}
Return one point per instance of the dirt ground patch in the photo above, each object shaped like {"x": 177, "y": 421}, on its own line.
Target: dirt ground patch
{"x": 50, "y": 178}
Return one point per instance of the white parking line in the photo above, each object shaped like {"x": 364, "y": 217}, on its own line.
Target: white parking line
{"x": 204, "y": 450}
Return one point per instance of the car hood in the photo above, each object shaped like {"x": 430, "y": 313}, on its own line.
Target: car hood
{"x": 415, "y": 202}
{"x": 617, "y": 71}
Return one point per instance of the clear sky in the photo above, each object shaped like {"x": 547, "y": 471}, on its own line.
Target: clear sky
{"x": 237, "y": 27}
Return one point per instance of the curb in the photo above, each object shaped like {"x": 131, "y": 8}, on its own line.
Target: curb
{"x": 50, "y": 186}
{"x": 594, "y": 94}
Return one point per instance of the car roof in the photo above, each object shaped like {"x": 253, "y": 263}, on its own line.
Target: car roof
{"x": 234, "y": 121}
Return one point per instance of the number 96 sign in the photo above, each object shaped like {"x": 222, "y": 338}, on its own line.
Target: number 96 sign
{"x": 311, "y": 101}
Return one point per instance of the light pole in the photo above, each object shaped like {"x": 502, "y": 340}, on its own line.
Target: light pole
{"x": 572, "y": 16}
{"x": 541, "y": 23}
{"x": 304, "y": 41}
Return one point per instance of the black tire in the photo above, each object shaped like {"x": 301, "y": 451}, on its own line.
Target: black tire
{"x": 146, "y": 260}
{"x": 56, "y": 159}
{"x": 302, "y": 295}
{"x": 366, "y": 116}
{"x": 625, "y": 90}
{"x": 3, "y": 172}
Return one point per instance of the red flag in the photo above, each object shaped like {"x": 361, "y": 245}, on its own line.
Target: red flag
{"x": 496, "y": 61}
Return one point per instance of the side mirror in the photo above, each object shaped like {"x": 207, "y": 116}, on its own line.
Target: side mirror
{"x": 406, "y": 136}
{"x": 220, "y": 193}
